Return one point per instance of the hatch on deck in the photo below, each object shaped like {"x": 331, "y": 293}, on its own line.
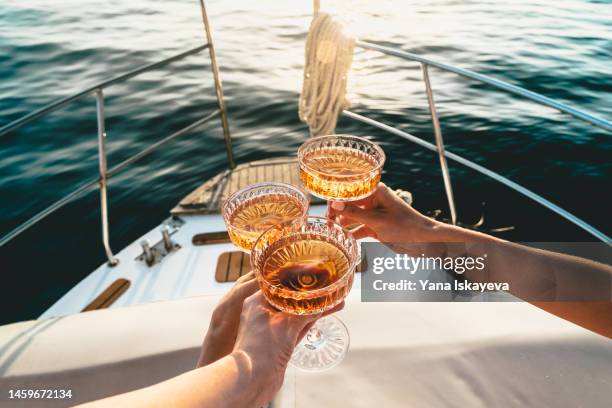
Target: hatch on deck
{"x": 207, "y": 198}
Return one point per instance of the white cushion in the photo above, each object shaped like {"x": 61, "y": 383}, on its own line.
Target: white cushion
{"x": 101, "y": 353}
{"x": 401, "y": 354}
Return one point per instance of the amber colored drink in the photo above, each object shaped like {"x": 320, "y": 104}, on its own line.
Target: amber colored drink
{"x": 255, "y": 215}
{"x": 340, "y": 167}
{"x": 303, "y": 275}
{"x": 339, "y": 173}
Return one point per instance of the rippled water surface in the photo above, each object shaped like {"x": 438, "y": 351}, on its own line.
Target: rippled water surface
{"x": 48, "y": 50}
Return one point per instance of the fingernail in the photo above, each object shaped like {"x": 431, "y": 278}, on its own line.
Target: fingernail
{"x": 337, "y": 205}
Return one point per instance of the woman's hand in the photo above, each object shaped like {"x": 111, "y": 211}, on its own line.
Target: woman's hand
{"x": 223, "y": 327}
{"x": 266, "y": 339}
{"x": 385, "y": 217}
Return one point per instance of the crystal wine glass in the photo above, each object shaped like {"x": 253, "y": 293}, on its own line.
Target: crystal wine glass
{"x": 340, "y": 167}
{"x": 254, "y": 209}
{"x": 303, "y": 267}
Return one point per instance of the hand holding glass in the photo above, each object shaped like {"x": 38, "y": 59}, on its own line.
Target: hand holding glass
{"x": 307, "y": 267}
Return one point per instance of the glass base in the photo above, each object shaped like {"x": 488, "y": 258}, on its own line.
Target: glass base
{"x": 323, "y": 347}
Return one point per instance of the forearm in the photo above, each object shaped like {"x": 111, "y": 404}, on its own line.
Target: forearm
{"x": 229, "y": 382}
{"x": 533, "y": 273}
{"x": 572, "y": 288}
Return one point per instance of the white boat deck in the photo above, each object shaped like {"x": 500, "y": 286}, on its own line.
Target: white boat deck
{"x": 190, "y": 271}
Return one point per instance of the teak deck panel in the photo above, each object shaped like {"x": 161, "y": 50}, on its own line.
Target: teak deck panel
{"x": 108, "y": 296}
{"x": 232, "y": 265}
{"x": 207, "y": 198}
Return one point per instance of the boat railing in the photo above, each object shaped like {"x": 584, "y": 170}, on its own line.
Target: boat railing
{"x": 443, "y": 154}
{"x": 438, "y": 147}
{"x": 97, "y": 91}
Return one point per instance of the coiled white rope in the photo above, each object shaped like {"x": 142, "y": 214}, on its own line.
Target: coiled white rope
{"x": 329, "y": 53}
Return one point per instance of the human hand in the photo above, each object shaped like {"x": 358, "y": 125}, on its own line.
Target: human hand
{"x": 385, "y": 217}
{"x": 266, "y": 339}
{"x": 223, "y": 327}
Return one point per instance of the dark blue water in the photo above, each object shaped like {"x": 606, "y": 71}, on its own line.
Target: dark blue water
{"x": 52, "y": 49}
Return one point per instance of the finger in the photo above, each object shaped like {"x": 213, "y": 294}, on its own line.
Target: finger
{"x": 347, "y": 223}
{"x": 246, "y": 277}
{"x": 387, "y": 197}
{"x": 300, "y": 322}
{"x": 246, "y": 289}
{"x": 362, "y": 231}
{"x": 329, "y": 213}
{"x": 333, "y": 216}
{"x": 304, "y": 332}
{"x": 334, "y": 208}
{"x": 349, "y": 218}
{"x": 366, "y": 202}
{"x": 309, "y": 325}
{"x": 379, "y": 194}
{"x": 344, "y": 221}
{"x": 337, "y": 205}
{"x": 360, "y": 215}
{"x": 296, "y": 324}
{"x": 334, "y": 309}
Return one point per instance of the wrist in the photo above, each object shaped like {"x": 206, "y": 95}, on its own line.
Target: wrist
{"x": 261, "y": 363}
{"x": 260, "y": 380}
{"x": 235, "y": 382}
{"x": 431, "y": 230}
{"x": 437, "y": 231}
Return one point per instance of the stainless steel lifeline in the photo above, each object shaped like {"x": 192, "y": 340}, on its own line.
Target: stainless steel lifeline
{"x": 439, "y": 147}
{"x": 483, "y": 170}
{"x": 87, "y": 91}
{"x": 105, "y": 174}
{"x": 448, "y": 187}
{"x": 218, "y": 87}
{"x": 504, "y": 86}
{"x": 112, "y": 261}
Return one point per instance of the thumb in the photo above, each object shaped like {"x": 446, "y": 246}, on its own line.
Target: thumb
{"x": 362, "y": 231}
{"x": 299, "y": 326}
